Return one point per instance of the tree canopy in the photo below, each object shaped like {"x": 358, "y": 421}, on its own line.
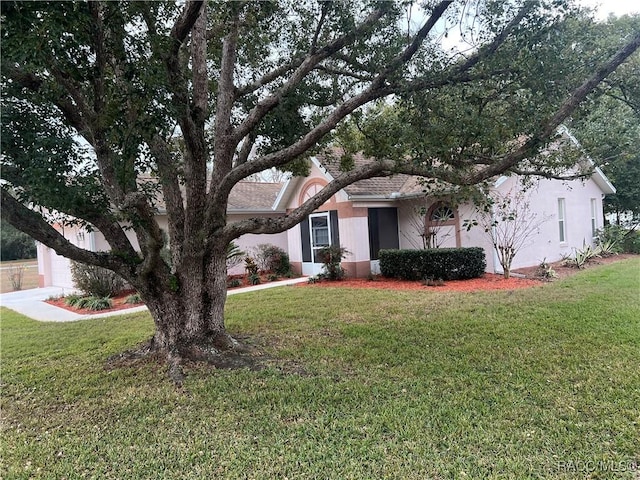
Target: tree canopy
{"x": 111, "y": 106}
{"x": 608, "y": 125}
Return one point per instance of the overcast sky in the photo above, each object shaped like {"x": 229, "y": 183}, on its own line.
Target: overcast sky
{"x": 617, "y": 7}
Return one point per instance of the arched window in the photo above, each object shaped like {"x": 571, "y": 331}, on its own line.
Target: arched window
{"x": 441, "y": 214}
{"x": 441, "y": 226}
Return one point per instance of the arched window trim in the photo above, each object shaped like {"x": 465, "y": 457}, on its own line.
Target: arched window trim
{"x": 443, "y": 206}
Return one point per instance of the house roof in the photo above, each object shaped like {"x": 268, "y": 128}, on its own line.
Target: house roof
{"x": 245, "y": 197}
{"x": 377, "y": 187}
{"x": 253, "y": 197}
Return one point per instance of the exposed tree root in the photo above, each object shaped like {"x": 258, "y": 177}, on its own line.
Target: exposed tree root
{"x": 228, "y": 353}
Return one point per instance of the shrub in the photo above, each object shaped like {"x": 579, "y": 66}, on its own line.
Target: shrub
{"x": 133, "y": 299}
{"x": 72, "y": 300}
{"x": 96, "y": 281}
{"x": 234, "y": 282}
{"x": 443, "y": 263}
{"x": 98, "y": 303}
{"x": 254, "y": 279}
{"x": 250, "y": 266}
{"x": 16, "y": 276}
{"x": 545, "y": 271}
{"x": 584, "y": 255}
{"x": 611, "y": 236}
{"x": 331, "y": 258}
{"x": 631, "y": 242}
{"x": 270, "y": 258}
{"x": 90, "y": 303}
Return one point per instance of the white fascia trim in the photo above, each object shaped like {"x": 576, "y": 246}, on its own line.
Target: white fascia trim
{"x": 281, "y": 194}
{"x": 500, "y": 181}
{"x": 377, "y": 198}
{"x": 239, "y": 211}
{"x": 598, "y": 175}
{"x": 603, "y": 182}
{"x": 321, "y": 167}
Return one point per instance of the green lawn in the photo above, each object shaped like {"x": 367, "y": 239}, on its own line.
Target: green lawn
{"x": 537, "y": 383}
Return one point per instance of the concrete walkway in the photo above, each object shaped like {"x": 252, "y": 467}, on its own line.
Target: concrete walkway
{"x": 31, "y": 303}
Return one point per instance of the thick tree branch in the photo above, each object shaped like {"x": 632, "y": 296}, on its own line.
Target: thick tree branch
{"x": 375, "y": 90}
{"x": 378, "y": 168}
{"x": 460, "y": 72}
{"x": 310, "y": 62}
{"x": 38, "y": 228}
{"x": 537, "y": 140}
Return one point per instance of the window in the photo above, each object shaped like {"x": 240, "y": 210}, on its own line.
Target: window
{"x": 594, "y": 217}
{"x": 562, "y": 226}
{"x": 441, "y": 213}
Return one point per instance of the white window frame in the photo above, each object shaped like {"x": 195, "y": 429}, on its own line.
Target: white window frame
{"x": 315, "y": 248}
{"x": 594, "y": 217}
{"x": 562, "y": 220}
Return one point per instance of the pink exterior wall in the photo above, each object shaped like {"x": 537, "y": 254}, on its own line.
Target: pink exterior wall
{"x": 546, "y": 244}
{"x": 353, "y": 227}
{"x": 247, "y": 243}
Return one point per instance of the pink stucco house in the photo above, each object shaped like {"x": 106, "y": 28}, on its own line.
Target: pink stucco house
{"x": 381, "y": 213}
{"x": 393, "y": 212}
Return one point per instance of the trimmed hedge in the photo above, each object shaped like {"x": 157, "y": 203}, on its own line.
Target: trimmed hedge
{"x": 444, "y": 263}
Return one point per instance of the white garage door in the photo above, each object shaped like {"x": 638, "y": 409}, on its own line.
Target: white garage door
{"x": 60, "y": 271}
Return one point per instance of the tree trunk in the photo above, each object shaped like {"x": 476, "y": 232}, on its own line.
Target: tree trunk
{"x": 188, "y": 313}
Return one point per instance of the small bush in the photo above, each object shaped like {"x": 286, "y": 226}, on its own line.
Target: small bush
{"x": 331, "y": 258}
{"x": 16, "y": 276}
{"x": 545, "y": 271}
{"x": 254, "y": 279}
{"x": 582, "y": 256}
{"x": 234, "y": 282}
{"x": 96, "y": 281}
{"x": 444, "y": 263}
{"x": 89, "y": 303}
{"x": 133, "y": 299}
{"x": 250, "y": 266}
{"x": 631, "y": 242}
{"x": 72, "y": 300}
{"x": 270, "y": 258}
{"x": 99, "y": 303}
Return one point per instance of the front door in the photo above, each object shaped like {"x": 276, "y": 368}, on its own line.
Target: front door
{"x": 320, "y": 232}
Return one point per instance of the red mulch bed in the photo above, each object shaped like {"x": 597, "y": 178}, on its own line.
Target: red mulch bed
{"x": 118, "y": 304}
{"x": 487, "y": 282}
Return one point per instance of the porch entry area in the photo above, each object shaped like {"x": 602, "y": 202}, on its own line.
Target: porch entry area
{"x": 383, "y": 233}
{"x": 318, "y": 230}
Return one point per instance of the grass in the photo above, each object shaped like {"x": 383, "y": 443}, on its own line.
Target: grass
{"x": 538, "y": 383}
{"x": 30, "y": 274}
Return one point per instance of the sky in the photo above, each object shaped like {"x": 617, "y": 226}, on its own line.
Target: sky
{"x": 617, "y": 7}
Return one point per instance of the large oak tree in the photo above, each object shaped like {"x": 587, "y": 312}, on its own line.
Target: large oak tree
{"x": 203, "y": 95}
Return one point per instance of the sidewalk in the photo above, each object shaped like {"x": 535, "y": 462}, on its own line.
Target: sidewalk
{"x": 31, "y": 303}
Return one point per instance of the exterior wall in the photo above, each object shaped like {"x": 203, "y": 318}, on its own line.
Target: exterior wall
{"x": 248, "y": 242}
{"x": 546, "y": 245}
{"x": 410, "y": 224}
{"x": 55, "y": 270}
{"x": 353, "y": 228}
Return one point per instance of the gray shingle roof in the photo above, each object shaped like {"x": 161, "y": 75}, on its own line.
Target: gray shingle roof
{"x": 255, "y": 196}
{"x": 382, "y": 187}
